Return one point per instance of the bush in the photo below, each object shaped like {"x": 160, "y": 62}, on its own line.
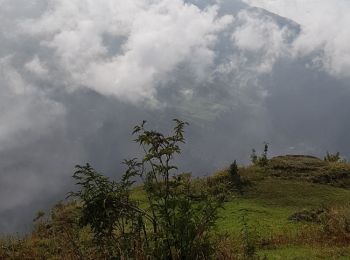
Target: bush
{"x": 261, "y": 160}
{"x": 235, "y": 177}
{"x": 178, "y": 219}
{"x": 253, "y": 157}
{"x": 333, "y": 157}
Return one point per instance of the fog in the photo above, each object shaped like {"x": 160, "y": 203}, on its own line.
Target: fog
{"x": 76, "y": 76}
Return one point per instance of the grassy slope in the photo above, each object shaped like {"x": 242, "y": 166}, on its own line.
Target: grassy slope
{"x": 289, "y": 184}
{"x": 269, "y": 202}
{"x": 307, "y": 253}
{"x": 275, "y": 193}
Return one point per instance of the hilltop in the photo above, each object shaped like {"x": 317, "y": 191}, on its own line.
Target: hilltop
{"x": 295, "y": 207}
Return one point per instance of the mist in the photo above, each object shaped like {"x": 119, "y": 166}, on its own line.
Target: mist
{"x": 76, "y": 76}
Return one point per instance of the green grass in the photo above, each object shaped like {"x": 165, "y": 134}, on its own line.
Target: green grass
{"x": 306, "y": 253}
{"x": 261, "y": 218}
{"x": 270, "y": 200}
{"x": 286, "y": 186}
{"x": 269, "y": 203}
{"x": 274, "y": 192}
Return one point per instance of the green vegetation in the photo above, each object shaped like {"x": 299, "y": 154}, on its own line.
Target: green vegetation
{"x": 261, "y": 160}
{"x": 333, "y": 157}
{"x": 286, "y": 207}
{"x": 177, "y": 219}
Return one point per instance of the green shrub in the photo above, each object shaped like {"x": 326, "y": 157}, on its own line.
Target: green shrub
{"x": 178, "y": 219}
{"x": 235, "y": 178}
{"x": 253, "y": 157}
{"x": 261, "y": 160}
{"x": 333, "y": 157}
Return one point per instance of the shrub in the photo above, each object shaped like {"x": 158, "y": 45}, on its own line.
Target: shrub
{"x": 178, "y": 219}
{"x": 235, "y": 177}
{"x": 249, "y": 238}
{"x": 261, "y": 160}
{"x": 333, "y": 157}
{"x": 253, "y": 157}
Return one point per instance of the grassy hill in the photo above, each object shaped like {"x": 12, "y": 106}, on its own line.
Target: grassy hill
{"x": 292, "y": 185}
{"x": 295, "y": 207}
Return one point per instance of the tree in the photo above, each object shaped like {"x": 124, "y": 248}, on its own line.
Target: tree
{"x": 263, "y": 160}
{"x": 234, "y": 176}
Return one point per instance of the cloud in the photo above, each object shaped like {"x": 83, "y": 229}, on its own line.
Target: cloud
{"x": 155, "y": 37}
{"x": 25, "y": 109}
{"x": 259, "y": 34}
{"x": 324, "y": 31}
{"x": 35, "y": 66}
{"x": 78, "y": 75}
{"x": 32, "y": 141}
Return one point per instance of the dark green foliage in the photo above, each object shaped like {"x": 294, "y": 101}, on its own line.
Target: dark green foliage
{"x": 253, "y": 157}
{"x": 178, "y": 220}
{"x": 333, "y": 157}
{"x": 108, "y": 210}
{"x": 234, "y": 170}
{"x": 261, "y": 160}
{"x": 234, "y": 176}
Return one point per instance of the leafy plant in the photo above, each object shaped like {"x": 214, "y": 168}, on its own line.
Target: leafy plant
{"x": 253, "y": 157}
{"x": 333, "y": 157}
{"x": 235, "y": 177}
{"x": 108, "y": 210}
{"x": 261, "y": 160}
{"x": 248, "y": 238}
{"x": 177, "y": 221}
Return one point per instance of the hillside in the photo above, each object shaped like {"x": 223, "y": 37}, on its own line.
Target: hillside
{"x": 295, "y": 207}
{"x": 281, "y": 202}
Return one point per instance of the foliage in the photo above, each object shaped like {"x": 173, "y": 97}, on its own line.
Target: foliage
{"x": 253, "y": 157}
{"x": 261, "y": 160}
{"x": 235, "y": 177}
{"x": 233, "y": 172}
{"x": 178, "y": 219}
{"x": 58, "y": 236}
{"x": 333, "y": 157}
{"x": 107, "y": 209}
{"x": 288, "y": 185}
{"x": 248, "y": 238}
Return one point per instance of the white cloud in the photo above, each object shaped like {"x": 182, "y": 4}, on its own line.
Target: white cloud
{"x": 325, "y": 29}
{"x": 259, "y": 35}
{"x": 158, "y": 34}
{"x": 25, "y": 110}
{"x": 35, "y": 66}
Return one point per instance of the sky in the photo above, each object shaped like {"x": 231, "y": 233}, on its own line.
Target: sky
{"x": 77, "y": 75}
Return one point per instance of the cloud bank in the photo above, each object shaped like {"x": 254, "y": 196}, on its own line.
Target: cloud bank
{"x": 149, "y": 39}
{"x": 77, "y": 75}
{"x": 324, "y": 31}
